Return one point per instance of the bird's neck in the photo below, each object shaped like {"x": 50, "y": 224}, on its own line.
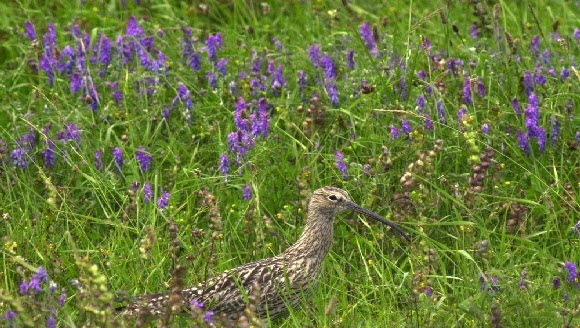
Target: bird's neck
{"x": 315, "y": 240}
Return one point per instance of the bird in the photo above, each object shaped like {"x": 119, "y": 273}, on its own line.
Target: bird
{"x": 281, "y": 281}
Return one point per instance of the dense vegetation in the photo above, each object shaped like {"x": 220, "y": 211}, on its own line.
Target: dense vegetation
{"x": 152, "y": 144}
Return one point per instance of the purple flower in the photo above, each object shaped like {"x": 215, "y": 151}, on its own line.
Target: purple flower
{"x": 241, "y": 122}
{"x": 535, "y": 45}
{"x": 572, "y": 272}
{"x": 532, "y": 114}
{"x": 163, "y": 201}
{"x": 9, "y": 315}
{"x": 480, "y": 87}
{"x": 208, "y": 317}
{"x": 556, "y": 282}
{"x": 329, "y": 67}
{"x": 406, "y": 126}
{"x": 247, "y": 192}
{"x": 564, "y": 73}
{"x": 190, "y": 56}
{"x": 441, "y": 111}
{"x": 224, "y": 164}
{"x": 422, "y": 75}
{"x": 98, "y": 159}
{"x": 421, "y": 103}
{"x": 366, "y": 34}
{"x": 314, "y": 54}
{"x": 30, "y": 31}
{"x": 576, "y": 228}
{"x": 332, "y": 90}
{"x": 467, "y": 91}
{"x": 196, "y": 304}
{"x": 213, "y": 43}
{"x": 222, "y": 66}
{"x": 428, "y": 123}
{"x": 539, "y": 79}
{"x": 263, "y": 125}
{"x": 62, "y": 299}
{"x": 66, "y": 60}
{"x": 118, "y": 157}
{"x": 367, "y": 170}
{"x": 428, "y": 291}
{"x": 20, "y": 158}
{"x": 577, "y": 34}
{"x": 23, "y": 288}
{"x": 301, "y": 83}
{"x": 516, "y": 105}
{"x": 277, "y": 81}
{"x": 555, "y": 132}
{"x": 147, "y": 192}
{"x": 143, "y": 158}
{"x": 183, "y": 96}
{"x": 473, "y": 31}
{"x": 46, "y": 64}
{"x": 211, "y": 79}
{"x": 277, "y": 44}
{"x": 523, "y": 142}
{"x": 350, "y": 59}
{"x": 51, "y": 322}
{"x": 340, "y": 165}
{"x": 485, "y": 129}
{"x": 528, "y": 83}
{"x": 394, "y": 132}
{"x": 404, "y": 89}
{"x": 49, "y": 159}
{"x": 102, "y": 51}
{"x": 540, "y": 134}
{"x": 133, "y": 27}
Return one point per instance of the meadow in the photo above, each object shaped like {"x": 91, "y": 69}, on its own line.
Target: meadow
{"x": 149, "y": 145}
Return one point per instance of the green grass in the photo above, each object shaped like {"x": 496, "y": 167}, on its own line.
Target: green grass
{"x": 98, "y": 239}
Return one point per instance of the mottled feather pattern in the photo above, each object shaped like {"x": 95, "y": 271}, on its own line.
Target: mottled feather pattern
{"x": 283, "y": 280}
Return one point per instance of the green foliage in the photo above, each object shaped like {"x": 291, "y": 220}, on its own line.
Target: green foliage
{"x": 491, "y": 225}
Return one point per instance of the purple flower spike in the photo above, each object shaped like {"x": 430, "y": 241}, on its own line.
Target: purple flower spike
{"x": 213, "y": 43}
{"x": 30, "y": 31}
{"x": 406, "y": 126}
{"x": 118, "y": 157}
{"x": 572, "y": 271}
{"x": 163, "y": 201}
{"x": 394, "y": 132}
{"x": 350, "y": 59}
{"x": 366, "y": 34}
{"x": 247, "y": 192}
{"x": 516, "y": 105}
{"x": 143, "y": 158}
{"x": 329, "y": 67}
{"x": 224, "y": 164}
{"x": 523, "y": 142}
{"x": 49, "y": 159}
{"x": 441, "y": 111}
{"x": 421, "y": 103}
{"x": 222, "y": 66}
{"x": 340, "y": 165}
{"x": 467, "y": 91}
{"x": 98, "y": 159}
{"x": 314, "y": 54}
{"x": 147, "y": 192}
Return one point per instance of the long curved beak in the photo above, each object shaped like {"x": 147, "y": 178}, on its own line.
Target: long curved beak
{"x": 357, "y": 209}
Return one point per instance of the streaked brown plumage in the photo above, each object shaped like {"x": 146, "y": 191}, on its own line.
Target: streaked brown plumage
{"x": 282, "y": 279}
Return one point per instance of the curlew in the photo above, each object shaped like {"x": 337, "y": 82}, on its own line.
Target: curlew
{"x": 282, "y": 280}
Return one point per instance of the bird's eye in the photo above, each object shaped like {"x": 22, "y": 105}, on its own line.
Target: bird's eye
{"x": 333, "y": 198}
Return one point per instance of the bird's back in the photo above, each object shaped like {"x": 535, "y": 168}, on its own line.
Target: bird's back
{"x": 281, "y": 283}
